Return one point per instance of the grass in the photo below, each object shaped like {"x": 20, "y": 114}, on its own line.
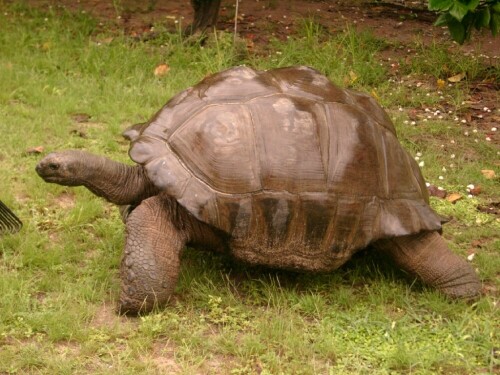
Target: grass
{"x": 58, "y": 276}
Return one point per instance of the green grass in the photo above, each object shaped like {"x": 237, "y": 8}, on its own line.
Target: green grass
{"x": 59, "y": 275}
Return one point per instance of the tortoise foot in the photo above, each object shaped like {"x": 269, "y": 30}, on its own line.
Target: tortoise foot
{"x": 427, "y": 256}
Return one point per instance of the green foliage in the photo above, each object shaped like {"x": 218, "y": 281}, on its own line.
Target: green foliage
{"x": 461, "y": 16}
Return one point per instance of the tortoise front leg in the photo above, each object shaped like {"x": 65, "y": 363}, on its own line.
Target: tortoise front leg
{"x": 427, "y": 256}
{"x": 151, "y": 261}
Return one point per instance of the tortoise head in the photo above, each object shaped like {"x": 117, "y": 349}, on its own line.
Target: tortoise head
{"x": 64, "y": 168}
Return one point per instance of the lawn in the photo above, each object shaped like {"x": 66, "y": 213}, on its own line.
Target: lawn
{"x": 70, "y": 81}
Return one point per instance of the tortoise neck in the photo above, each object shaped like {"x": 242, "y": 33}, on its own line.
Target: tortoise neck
{"x": 116, "y": 182}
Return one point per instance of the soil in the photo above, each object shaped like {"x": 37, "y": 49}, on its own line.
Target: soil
{"x": 259, "y": 20}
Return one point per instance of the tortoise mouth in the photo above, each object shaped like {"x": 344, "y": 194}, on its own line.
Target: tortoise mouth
{"x": 51, "y": 178}
{"x": 41, "y": 170}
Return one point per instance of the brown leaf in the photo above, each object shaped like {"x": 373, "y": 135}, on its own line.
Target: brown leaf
{"x": 476, "y": 190}
{"x": 488, "y": 174}
{"x": 413, "y": 114}
{"x": 440, "y": 83}
{"x": 491, "y": 208}
{"x": 456, "y": 78}
{"x": 453, "y": 198}
{"x": 161, "y": 70}
{"x": 434, "y": 191}
{"x": 35, "y": 150}
{"x": 477, "y": 244}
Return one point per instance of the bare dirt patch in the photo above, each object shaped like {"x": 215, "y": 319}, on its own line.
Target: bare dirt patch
{"x": 106, "y": 317}
{"x": 259, "y": 21}
{"x": 65, "y": 200}
{"x": 163, "y": 358}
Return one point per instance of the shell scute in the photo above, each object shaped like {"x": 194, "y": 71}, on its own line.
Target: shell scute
{"x": 235, "y": 85}
{"x": 307, "y": 83}
{"x": 288, "y": 144}
{"x": 220, "y": 151}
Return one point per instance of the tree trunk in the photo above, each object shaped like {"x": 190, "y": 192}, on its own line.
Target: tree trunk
{"x": 205, "y": 15}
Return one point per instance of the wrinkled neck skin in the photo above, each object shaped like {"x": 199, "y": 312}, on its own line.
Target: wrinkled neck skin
{"x": 116, "y": 182}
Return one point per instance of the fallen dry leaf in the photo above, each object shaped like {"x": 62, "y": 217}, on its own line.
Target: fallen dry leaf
{"x": 413, "y": 114}
{"x": 161, "y": 70}
{"x": 454, "y": 197}
{"x": 35, "y": 150}
{"x": 491, "y": 208}
{"x": 440, "y": 83}
{"x": 488, "y": 174}
{"x": 476, "y": 190}
{"x": 434, "y": 191}
{"x": 456, "y": 78}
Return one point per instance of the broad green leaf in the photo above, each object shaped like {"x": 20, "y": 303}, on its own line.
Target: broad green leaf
{"x": 459, "y": 10}
{"x": 483, "y": 18}
{"x": 495, "y": 23}
{"x": 443, "y": 19}
{"x": 457, "y": 31}
{"x": 477, "y": 22}
{"x": 468, "y": 23}
{"x": 496, "y": 7}
{"x": 440, "y": 4}
{"x": 472, "y": 4}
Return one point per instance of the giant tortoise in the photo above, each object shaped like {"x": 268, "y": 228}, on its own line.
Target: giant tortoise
{"x": 278, "y": 168}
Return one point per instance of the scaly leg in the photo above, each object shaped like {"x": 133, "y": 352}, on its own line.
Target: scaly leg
{"x": 151, "y": 261}
{"x": 427, "y": 256}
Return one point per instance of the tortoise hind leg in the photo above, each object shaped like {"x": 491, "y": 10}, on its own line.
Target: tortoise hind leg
{"x": 427, "y": 256}
{"x": 151, "y": 261}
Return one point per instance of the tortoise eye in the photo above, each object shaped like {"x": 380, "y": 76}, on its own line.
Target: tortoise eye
{"x": 53, "y": 166}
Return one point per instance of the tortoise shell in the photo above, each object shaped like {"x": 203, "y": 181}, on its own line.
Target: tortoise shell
{"x": 285, "y": 156}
